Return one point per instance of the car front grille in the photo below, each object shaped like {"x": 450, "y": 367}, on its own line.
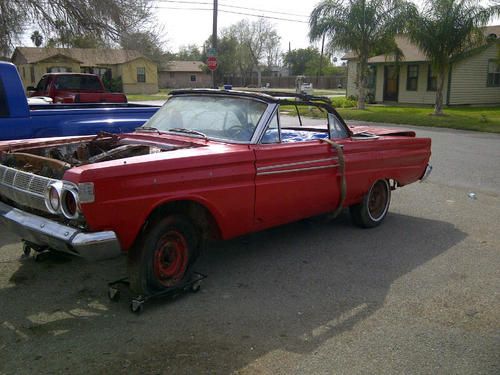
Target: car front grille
{"x": 24, "y": 188}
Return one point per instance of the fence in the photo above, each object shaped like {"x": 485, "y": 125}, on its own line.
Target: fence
{"x": 323, "y": 82}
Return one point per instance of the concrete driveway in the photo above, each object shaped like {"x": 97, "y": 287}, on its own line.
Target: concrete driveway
{"x": 417, "y": 295}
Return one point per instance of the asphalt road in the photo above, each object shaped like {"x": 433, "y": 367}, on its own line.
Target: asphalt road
{"x": 417, "y": 295}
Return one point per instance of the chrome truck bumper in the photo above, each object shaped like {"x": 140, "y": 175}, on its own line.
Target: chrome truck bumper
{"x": 48, "y": 233}
{"x": 427, "y": 172}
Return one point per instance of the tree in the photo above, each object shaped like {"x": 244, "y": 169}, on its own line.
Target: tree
{"x": 146, "y": 42}
{"x": 258, "y": 44}
{"x": 190, "y": 52}
{"x": 37, "y": 38}
{"x": 444, "y": 30}
{"x": 227, "y": 52}
{"x": 362, "y": 27}
{"x": 298, "y": 59}
{"x": 107, "y": 19}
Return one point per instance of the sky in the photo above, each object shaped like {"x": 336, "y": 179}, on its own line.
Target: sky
{"x": 190, "y": 21}
{"x": 186, "y": 23}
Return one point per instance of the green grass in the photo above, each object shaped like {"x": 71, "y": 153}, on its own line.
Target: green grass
{"x": 484, "y": 119}
{"x": 161, "y": 95}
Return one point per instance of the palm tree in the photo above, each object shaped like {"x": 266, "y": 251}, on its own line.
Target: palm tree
{"x": 364, "y": 27}
{"x": 445, "y": 29}
{"x": 37, "y": 38}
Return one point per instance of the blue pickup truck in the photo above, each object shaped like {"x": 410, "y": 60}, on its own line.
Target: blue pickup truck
{"x": 18, "y": 120}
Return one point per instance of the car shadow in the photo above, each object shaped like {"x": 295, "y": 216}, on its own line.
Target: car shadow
{"x": 289, "y": 289}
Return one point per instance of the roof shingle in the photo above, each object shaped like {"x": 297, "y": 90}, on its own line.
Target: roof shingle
{"x": 87, "y": 56}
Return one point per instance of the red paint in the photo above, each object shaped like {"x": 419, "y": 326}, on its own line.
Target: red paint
{"x": 245, "y": 187}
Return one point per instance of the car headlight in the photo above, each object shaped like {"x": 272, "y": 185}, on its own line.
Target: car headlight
{"x": 62, "y": 197}
{"x": 69, "y": 203}
{"x": 53, "y": 197}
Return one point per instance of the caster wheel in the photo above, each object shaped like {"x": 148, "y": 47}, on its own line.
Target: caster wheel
{"x": 136, "y": 306}
{"x": 40, "y": 257}
{"x": 195, "y": 288}
{"x": 113, "y": 294}
{"x": 26, "y": 250}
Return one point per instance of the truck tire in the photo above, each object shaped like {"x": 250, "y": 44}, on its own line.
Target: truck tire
{"x": 373, "y": 208}
{"x": 162, "y": 256}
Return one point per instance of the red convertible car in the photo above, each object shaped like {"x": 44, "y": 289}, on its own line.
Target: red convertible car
{"x": 208, "y": 164}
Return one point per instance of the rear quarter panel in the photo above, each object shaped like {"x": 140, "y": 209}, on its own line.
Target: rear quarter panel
{"x": 403, "y": 159}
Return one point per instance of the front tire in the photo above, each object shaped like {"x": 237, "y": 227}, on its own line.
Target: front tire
{"x": 163, "y": 255}
{"x": 373, "y": 208}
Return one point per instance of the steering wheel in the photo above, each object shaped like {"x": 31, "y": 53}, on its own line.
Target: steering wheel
{"x": 239, "y": 132}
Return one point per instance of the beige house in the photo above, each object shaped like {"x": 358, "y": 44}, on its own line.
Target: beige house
{"x": 139, "y": 74}
{"x": 184, "y": 74}
{"x": 473, "y": 79}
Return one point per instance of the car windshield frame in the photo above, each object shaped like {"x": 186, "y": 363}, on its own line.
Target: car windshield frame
{"x": 226, "y": 118}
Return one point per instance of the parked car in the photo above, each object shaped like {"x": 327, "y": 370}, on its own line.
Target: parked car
{"x": 75, "y": 88}
{"x": 37, "y": 117}
{"x": 208, "y": 164}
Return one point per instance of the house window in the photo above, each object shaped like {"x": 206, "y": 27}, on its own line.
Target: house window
{"x": 412, "y": 78}
{"x": 32, "y": 73}
{"x": 58, "y": 69}
{"x": 431, "y": 79}
{"x": 493, "y": 74}
{"x": 24, "y": 73}
{"x": 141, "y": 74}
{"x": 172, "y": 75}
{"x": 193, "y": 78}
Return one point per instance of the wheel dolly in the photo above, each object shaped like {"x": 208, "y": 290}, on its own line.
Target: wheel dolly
{"x": 191, "y": 283}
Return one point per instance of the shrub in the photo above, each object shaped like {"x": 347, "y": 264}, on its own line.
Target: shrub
{"x": 113, "y": 84}
{"x": 341, "y": 102}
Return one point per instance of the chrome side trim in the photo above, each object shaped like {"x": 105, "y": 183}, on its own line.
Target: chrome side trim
{"x": 48, "y": 233}
{"x": 297, "y": 170}
{"x": 296, "y": 163}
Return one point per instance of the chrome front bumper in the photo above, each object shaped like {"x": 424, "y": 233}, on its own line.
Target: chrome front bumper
{"x": 48, "y": 233}
{"x": 427, "y": 172}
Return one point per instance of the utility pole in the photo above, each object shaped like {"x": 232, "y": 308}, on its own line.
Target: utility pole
{"x": 320, "y": 60}
{"x": 214, "y": 39}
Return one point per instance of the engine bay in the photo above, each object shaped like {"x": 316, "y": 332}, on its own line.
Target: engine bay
{"x": 53, "y": 160}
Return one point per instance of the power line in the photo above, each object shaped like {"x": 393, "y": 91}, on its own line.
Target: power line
{"x": 265, "y": 10}
{"x": 187, "y": 2}
{"x": 230, "y": 12}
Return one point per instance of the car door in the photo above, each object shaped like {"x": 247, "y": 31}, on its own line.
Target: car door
{"x": 294, "y": 179}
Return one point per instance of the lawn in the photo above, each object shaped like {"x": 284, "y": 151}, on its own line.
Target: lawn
{"x": 484, "y": 119}
{"x": 161, "y": 95}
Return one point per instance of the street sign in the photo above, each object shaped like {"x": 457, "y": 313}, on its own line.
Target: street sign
{"x": 212, "y": 52}
{"x": 212, "y": 63}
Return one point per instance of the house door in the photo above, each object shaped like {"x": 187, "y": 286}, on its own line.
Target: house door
{"x": 391, "y": 83}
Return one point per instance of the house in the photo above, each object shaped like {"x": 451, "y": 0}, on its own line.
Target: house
{"x": 137, "y": 72}
{"x": 473, "y": 79}
{"x": 184, "y": 74}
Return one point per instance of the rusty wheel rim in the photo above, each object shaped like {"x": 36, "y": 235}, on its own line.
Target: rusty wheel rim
{"x": 171, "y": 258}
{"x": 377, "y": 200}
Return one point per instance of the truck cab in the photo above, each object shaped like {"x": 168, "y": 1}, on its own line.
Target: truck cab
{"x": 74, "y": 88}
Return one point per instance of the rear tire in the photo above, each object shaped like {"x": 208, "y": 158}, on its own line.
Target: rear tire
{"x": 373, "y": 208}
{"x": 162, "y": 256}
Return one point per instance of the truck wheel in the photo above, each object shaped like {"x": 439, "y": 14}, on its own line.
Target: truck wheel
{"x": 374, "y": 206}
{"x": 162, "y": 256}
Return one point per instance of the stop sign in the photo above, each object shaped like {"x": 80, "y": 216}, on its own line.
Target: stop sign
{"x": 212, "y": 63}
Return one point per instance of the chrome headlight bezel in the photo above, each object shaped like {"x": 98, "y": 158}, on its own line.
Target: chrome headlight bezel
{"x": 53, "y": 207}
{"x": 59, "y": 206}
